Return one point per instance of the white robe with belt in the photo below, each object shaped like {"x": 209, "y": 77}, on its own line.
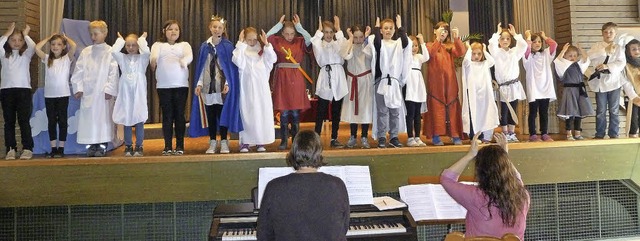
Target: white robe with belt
{"x": 357, "y": 63}
{"x": 332, "y": 80}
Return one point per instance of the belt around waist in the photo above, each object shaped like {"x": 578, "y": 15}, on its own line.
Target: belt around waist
{"x": 288, "y": 65}
{"x": 510, "y": 82}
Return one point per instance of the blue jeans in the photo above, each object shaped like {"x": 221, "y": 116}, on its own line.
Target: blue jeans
{"x": 607, "y": 101}
{"x": 139, "y": 134}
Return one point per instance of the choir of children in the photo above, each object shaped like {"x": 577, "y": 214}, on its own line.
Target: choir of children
{"x": 382, "y": 84}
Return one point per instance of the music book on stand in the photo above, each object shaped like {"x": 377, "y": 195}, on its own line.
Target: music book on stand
{"x": 431, "y": 202}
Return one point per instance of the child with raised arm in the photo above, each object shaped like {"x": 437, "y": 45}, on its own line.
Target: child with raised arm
{"x": 391, "y": 56}
{"x": 218, "y": 86}
{"x": 131, "y": 108}
{"x": 574, "y": 104}
{"x": 288, "y": 86}
{"x": 358, "y": 109}
{"x": 507, "y": 71}
{"x": 95, "y": 82}
{"x": 255, "y": 63}
{"x": 608, "y": 59}
{"x": 416, "y": 92}
{"x": 332, "y": 82}
{"x": 170, "y": 58}
{"x": 56, "y": 87}
{"x": 479, "y": 111}
{"x": 444, "y": 115}
{"x": 15, "y": 89}
{"x": 540, "y": 88}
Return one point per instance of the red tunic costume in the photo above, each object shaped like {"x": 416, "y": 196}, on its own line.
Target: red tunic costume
{"x": 289, "y": 87}
{"x": 444, "y": 115}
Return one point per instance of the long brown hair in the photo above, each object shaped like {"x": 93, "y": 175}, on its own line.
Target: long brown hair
{"x": 497, "y": 179}
{"x": 165, "y": 26}
{"x": 448, "y": 43}
{"x": 8, "y": 51}
{"x": 52, "y": 56}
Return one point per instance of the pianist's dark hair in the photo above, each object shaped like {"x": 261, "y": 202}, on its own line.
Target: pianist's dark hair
{"x": 306, "y": 150}
{"x": 497, "y": 179}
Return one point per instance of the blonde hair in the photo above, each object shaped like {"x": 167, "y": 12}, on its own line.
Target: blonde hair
{"x": 479, "y": 46}
{"x": 99, "y": 24}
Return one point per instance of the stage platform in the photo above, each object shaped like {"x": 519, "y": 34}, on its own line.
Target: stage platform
{"x": 195, "y": 176}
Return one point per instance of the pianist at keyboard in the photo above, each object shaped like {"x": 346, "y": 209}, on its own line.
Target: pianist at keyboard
{"x": 305, "y": 205}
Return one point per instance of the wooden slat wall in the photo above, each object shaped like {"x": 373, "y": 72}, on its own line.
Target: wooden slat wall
{"x": 581, "y": 21}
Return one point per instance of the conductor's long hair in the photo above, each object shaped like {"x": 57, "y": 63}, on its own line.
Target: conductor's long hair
{"x": 497, "y": 179}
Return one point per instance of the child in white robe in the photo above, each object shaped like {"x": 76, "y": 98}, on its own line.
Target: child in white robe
{"x": 507, "y": 72}
{"x": 479, "y": 110}
{"x": 391, "y": 58}
{"x": 540, "y": 88}
{"x": 358, "y": 108}
{"x": 131, "y": 108}
{"x": 95, "y": 82}
{"x": 332, "y": 81}
{"x": 256, "y": 108}
{"x": 416, "y": 92}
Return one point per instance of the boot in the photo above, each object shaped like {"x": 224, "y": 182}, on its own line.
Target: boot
{"x": 295, "y": 127}
{"x": 283, "y": 137}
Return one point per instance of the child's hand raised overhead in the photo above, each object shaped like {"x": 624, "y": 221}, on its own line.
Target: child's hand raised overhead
{"x": 144, "y": 35}
{"x": 281, "y": 19}
{"x": 398, "y": 21}
{"x": 263, "y": 37}
{"x": 527, "y": 34}
{"x": 320, "y": 23}
{"x": 296, "y": 19}
{"x": 512, "y": 30}
{"x": 241, "y": 37}
{"x": 367, "y": 32}
{"x": 336, "y": 23}
{"x": 455, "y": 33}
{"x": 377, "y": 22}
{"x": 420, "y": 38}
{"x": 543, "y": 35}
{"x": 26, "y": 30}
{"x": 119, "y": 35}
{"x": 499, "y": 28}
{"x": 349, "y": 33}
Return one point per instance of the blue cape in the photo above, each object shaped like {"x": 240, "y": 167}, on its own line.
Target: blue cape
{"x": 230, "y": 116}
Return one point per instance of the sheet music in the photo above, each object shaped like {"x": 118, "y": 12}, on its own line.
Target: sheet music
{"x": 357, "y": 179}
{"x": 431, "y": 202}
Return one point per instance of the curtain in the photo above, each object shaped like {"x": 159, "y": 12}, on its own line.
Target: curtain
{"x": 137, "y": 16}
{"x": 50, "y": 21}
{"x": 534, "y": 16}
{"x": 485, "y": 15}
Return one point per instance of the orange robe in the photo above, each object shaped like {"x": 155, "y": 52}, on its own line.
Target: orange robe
{"x": 444, "y": 115}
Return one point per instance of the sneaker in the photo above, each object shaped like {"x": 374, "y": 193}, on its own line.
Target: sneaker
{"x": 382, "y": 142}
{"x": 11, "y": 154}
{"x": 59, "y": 152}
{"x": 51, "y": 154}
{"x": 167, "y": 151}
{"x": 213, "y": 145}
{"x": 261, "y": 148}
{"x": 419, "y": 142}
{"x": 100, "y": 151}
{"x": 394, "y": 142}
{"x": 365, "y": 143}
{"x": 128, "y": 151}
{"x": 352, "y": 142}
{"x": 411, "y": 142}
{"x": 138, "y": 151}
{"x": 336, "y": 144}
{"x": 457, "y": 141}
{"x": 179, "y": 151}
{"x": 224, "y": 146}
{"x": 26, "y": 155}
{"x": 512, "y": 137}
{"x": 244, "y": 148}
{"x": 91, "y": 150}
{"x": 579, "y": 138}
{"x": 570, "y": 138}
{"x": 598, "y": 137}
{"x": 633, "y": 136}
{"x": 546, "y": 137}
{"x": 436, "y": 141}
{"x": 534, "y": 138}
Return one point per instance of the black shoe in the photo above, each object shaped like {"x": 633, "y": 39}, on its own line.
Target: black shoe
{"x": 101, "y": 150}
{"x": 394, "y": 142}
{"x": 179, "y": 151}
{"x": 59, "y": 153}
{"x": 138, "y": 151}
{"x": 382, "y": 142}
{"x": 167, "y": 151}
{"x": 128, "y": 151}
{"x": 91, "y": 151}
{"x": 52, "y": 153}
{"x": 336, "y": 144}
